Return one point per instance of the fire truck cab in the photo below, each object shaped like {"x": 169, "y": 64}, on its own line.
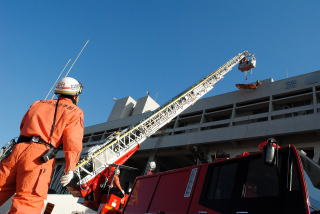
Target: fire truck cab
{"x": 243, "y": 185}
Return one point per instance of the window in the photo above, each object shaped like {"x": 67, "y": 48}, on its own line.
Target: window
{"x": 253, "y": 102}
{"x": 222, "y": 184}
{"x": 215, "y": 126}
{"x": 198, "y": 113}
{"x": 189, "y": 121}
{"x": 220, "y": 108}
{"x": 86, "y": 138}
{"x": 292, "y": 93}
{"x": 261, "y": 181}
{"x": 312, "y": 173}
{"x": 318, "y": 97}
{"x": 216, "y": 116}
{"x": 97, "y": 136}
{"x": 219, "y": 186}
{"x": 244, "y": 184}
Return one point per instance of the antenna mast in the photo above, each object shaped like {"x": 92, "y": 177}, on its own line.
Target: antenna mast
{"x": 84, "y": 46}
{"x": 79, "y": 54}
{"x": 58, "y": 78}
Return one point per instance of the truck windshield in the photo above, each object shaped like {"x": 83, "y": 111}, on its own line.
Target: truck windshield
{"x": 312, "y": 176}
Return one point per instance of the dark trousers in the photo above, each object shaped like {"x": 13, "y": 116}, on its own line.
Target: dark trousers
{"x": 116, "y": 191}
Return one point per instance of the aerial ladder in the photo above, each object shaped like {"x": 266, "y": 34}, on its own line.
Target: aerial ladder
{"x": 93, "y": 171}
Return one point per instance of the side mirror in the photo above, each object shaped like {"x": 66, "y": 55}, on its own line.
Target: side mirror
{"x": 269, "y": 154}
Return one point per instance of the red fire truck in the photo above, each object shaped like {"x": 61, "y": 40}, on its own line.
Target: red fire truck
{"x": 276, "y": 180}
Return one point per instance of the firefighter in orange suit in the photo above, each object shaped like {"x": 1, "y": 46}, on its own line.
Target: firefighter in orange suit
{"x": 26, "y": 173}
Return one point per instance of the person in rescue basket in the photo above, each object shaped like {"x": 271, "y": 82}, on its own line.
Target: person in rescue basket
{"x": 26, "y": 173}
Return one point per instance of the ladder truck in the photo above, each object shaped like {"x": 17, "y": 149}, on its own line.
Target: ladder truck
{"x": 277, "y": 180}
{"x": 95, "y": 171}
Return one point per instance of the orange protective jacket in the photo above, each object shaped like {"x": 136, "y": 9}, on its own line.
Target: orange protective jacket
{"x": 68, "y": 127}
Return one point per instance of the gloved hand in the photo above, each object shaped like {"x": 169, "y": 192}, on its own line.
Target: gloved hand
{"x": 123, "y": 192}
{"x": 65, "y": 179}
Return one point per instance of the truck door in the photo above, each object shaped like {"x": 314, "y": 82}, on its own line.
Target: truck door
{"x": 248, "y": 185}
{"x": 174, "y": 191}
{"x": 260, "y": 188}
{"x": 216, "y": 192}
{"x": 167, "y": 192}
{"x": 239, "y": 186}
{"x": 273, "y": 189}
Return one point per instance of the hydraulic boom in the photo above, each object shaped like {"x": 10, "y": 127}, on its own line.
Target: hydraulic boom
{"x": 93, "y": 170}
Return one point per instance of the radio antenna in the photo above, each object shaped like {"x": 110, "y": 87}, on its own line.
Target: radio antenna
{"x": 61, "y": 72}
{"x": 84, "y": 46}
{"x": 79, "y": 54}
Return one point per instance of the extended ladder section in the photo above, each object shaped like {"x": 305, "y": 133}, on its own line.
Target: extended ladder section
{"x": 115, "y": 147}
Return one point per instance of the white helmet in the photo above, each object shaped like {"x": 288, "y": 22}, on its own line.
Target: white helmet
{"x": 68, "y": 86}
{"x": 152, "y": 165}
{"x": 117, "y": 172}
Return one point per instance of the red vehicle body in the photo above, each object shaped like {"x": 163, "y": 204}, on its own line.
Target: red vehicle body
{"x": 111, "y": 204}
{"x": 242, "y": 185}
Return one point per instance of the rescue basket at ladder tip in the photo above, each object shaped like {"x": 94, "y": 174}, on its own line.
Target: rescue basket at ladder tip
{"x": 247, "y": 63}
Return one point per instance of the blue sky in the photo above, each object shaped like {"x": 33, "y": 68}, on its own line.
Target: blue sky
{"x": 138, "y": 45}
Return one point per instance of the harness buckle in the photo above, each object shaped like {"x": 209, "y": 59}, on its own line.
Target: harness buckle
{"x": 35, "y": 139}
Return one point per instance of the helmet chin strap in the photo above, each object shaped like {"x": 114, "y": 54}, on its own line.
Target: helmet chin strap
{"x": 75, "y": 99}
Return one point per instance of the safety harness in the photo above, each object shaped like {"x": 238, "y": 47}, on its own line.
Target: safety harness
{"x": 52, "y": 151}
{"x": 33, "y": 139}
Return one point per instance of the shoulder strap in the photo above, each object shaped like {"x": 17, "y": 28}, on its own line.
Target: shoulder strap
{"x": 54, "y": 120}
